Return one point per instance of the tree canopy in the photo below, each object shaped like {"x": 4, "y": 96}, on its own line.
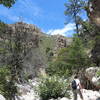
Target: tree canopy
{"x": 73, "y": 8}
{"x": 7, "y": 3}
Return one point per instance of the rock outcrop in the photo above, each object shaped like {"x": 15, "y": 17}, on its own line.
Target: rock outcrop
{"x": 28, "y": 36}
{"x": 61, "y": 42}
{"x": 33, "y": 61}
{"x": 91, "y": 74}
{"x": 38, "y": 43}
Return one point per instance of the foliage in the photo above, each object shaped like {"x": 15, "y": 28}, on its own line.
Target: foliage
{"x": 13, "y": 50}
{"x": 72, "y": 58}
{"x": 77, "y": 57}
{"x": 97, "y": 38}
{"x": 58, "y": 68}
{"x": 87, "y": 30}
{"x": 98, "y": 73}
{"x": 7, "y": 3}
{"x": 73, "y": 8}
{"x": 2, "y": 24}
{"x": 46, "y": 46}
{"x": 16, "y": 47}
{"x": 6, "y": 88}
{"x": 52, "y": 87}
{"x": 96, "y": 51}
{"x": 3, "y": 82}
{"x": 49, "y": 53}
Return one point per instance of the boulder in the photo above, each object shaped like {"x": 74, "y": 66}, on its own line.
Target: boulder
{"x": 91, "y": 74}
{"x": 64, "y": 98}
{"x": 1, "y": 97}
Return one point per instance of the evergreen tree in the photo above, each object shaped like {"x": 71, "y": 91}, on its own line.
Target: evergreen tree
{"x": 77, "y": 57}
{"x": 72, "y": 58}
{"x": 73, "y": 8}
{"x": 7, "y": 3}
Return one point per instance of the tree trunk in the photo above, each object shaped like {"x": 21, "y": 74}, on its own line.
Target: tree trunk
{"x": 76, "y": 24}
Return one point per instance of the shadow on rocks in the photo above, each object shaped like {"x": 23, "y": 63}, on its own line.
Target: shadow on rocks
{"x": 98, "y": 98}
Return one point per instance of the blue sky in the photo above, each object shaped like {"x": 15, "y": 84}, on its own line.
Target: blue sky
{"x": 48, "y": 15}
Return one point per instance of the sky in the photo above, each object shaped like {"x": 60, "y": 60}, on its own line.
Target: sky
{"x": 48, "y": 15}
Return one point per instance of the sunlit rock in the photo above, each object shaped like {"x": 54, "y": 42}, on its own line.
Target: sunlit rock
{"x": 1, "y": 97}
{"x": 91, "y": 73}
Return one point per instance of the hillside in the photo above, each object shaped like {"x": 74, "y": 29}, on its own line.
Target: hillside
{"x": 43, "y": 47}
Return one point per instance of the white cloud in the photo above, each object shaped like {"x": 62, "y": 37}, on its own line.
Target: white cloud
{"x": 63, "y": 31}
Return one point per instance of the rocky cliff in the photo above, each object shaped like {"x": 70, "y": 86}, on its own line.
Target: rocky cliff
{"x": 41, "y": 46}
{"x": 61, "y": 42}
{"x": 24, "y": 40}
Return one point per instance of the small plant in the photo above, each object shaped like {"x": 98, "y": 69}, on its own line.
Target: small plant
{"x": 52, "y": 87}
{"x": 7, "y": 88}
{"x": 4, "y": 75}
{"x": 98, "y": 73}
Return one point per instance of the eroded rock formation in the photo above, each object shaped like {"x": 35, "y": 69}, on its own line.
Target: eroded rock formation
{"x": 61, "y": 42}
{"x": 91, "y": 74}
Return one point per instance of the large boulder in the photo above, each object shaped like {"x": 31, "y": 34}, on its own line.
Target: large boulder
{"x": 91, "y": 74}
{"x": 1, "y": 97}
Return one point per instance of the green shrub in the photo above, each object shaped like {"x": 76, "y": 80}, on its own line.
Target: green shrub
{"x": 70, "y": 60}
{"x": 52, "y": 87}
{"x": 98, "y": 73}
{"x": 7, "y": 88}
{"x": 58, "y": 68}
{"x": 4, "y": 76}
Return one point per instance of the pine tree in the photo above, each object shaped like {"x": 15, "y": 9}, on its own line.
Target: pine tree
{"x": 77, "y": 57}
{"x": 7, "y": 3}
{"x": 73, "y": 9}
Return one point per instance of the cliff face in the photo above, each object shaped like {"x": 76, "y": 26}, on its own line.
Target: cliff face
{"x": 61, "y": 42}
{"x": 23, "y": 49}
{"x": 40, "y": 46}
{"x": 34, "y": 59}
